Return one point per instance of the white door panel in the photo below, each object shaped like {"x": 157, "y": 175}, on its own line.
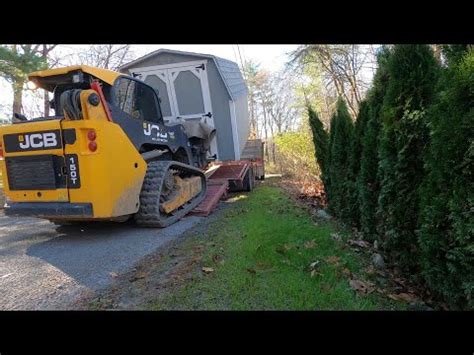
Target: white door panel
{"x": 159, "y": 80}
{"x": 184, "y": 92}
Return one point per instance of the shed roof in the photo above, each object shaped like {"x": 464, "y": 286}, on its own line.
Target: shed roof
{"x": 228, "y": 70}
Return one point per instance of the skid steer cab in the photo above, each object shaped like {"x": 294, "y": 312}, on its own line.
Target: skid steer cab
{"x": 106, "y": 154}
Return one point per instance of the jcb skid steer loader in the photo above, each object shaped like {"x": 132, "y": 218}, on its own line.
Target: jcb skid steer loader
{"x": 106, "y": 155}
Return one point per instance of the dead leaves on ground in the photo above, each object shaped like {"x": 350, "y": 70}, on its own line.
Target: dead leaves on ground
{"x": 217, "y": 259}
{"x": 313, "y": 268}
{"x": 310, "y": 244}
{"x": 207, "y": 270}
{"x": 361, "y": 287}
{"x": 251, "y": 270}
{"x": 406, "y": 297}
{"x": 138, "y": 276}
{"x": 333, "y": 260}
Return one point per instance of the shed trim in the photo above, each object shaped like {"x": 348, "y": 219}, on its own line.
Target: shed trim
{"x": 235, "y": 133}
{"x": 216, "y": 60}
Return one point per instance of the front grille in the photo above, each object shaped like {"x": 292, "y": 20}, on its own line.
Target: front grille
{"x": 37, "y": 172}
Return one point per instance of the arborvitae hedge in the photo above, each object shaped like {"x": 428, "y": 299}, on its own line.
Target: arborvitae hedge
{"x": 339, "y": 172}
{"x": 327, "y": 185}
{"x": 447, "y": 223}
{"x": 321, "y": 143}
{"x": 415, "y": 181}
{"x": 367, "y": 182}
{"x": 360, "y": 128}
{"x": 413, "y": 73}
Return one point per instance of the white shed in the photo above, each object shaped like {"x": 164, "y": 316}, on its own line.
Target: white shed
{"x": 195, "y": 86}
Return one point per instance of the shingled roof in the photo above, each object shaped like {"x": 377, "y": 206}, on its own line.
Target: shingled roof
{"x": 228, "y": 70}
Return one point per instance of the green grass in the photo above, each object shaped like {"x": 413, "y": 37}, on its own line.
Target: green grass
{"x": 257, "y": 250}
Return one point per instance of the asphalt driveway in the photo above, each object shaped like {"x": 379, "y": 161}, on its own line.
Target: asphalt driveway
{"x": 43, "y": 266}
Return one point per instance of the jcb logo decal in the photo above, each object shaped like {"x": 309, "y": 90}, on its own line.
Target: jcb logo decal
{"x": 38, "y": 140}
{"x": 154, "y": 131}
{"x": 21, "y": 142}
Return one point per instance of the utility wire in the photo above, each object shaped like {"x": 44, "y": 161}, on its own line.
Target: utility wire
{"x": 241, "y": 63}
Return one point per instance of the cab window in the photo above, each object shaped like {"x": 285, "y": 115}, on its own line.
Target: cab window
{"x": 137, "y": 100}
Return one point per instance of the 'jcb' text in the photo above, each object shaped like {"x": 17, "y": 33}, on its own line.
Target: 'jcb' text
{"x": 38, "y": 140}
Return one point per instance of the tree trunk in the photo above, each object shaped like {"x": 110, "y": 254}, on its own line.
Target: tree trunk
{"x": 18, "y": 97}
{"x": 46, "y": 96}
{"x": 437, "y": 52}
{"x": 273, "y": 142}
{"x": 266, "y": 132}
{"x": 46, "y": 104}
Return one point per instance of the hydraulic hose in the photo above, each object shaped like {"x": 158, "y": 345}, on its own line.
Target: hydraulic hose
{"x": 70, "y": 101}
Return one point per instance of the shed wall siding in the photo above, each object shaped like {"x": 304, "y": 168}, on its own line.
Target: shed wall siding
{"x": 242, "y": 118}
{"x": 221, "y": 113}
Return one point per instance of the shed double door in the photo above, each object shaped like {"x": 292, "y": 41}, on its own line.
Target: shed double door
{"x": 183, "y": 89}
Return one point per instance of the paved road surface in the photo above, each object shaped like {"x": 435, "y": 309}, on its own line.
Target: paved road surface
{"x": 43, "y": 266}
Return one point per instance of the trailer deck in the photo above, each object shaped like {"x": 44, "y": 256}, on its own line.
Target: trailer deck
{"x": 235, "y": 175}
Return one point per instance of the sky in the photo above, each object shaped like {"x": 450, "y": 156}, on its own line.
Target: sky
{"x": 270, "y": 57}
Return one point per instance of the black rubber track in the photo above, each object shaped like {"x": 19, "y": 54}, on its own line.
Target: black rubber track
{"x": 149, "y": 214}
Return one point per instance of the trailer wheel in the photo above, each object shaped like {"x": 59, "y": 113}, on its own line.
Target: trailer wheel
{"x": 249, "y": 180}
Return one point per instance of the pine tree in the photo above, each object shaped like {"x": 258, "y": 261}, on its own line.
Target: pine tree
{"x": 413, "y": 72}
{"x": 368, "y": 183}
{"x": 339, "y": 173}
{"x": 447, "y": 220}
{"x": 454, "y": 53}
{"x": 321, "y": 143}
{"x": 16, "y": 62}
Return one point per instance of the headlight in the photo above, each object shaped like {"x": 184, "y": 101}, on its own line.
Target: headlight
{"x": 31, "y": 85}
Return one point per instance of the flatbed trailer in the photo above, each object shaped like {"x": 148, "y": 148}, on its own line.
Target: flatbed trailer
{"x": 232, "y": 176}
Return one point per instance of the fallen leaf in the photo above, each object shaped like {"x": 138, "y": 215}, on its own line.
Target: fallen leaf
{"x": 139, "y": 275}
{"x": 407, "y": 297}
{"x": 399, "y": 281}
{"x": 361, "y": 286}
{"x": 282, "y": 249}
{"x": 207, "y": 270}
{"x": 310, "y": 244}
{"x": 113, "y": 274}
{"x": 334, "y": 260}
{"x": 216, "y": 258}
{"x": 370, "y": 270}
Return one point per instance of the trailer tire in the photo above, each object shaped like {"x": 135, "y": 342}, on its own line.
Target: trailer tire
{"x": 249, "y": 180}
